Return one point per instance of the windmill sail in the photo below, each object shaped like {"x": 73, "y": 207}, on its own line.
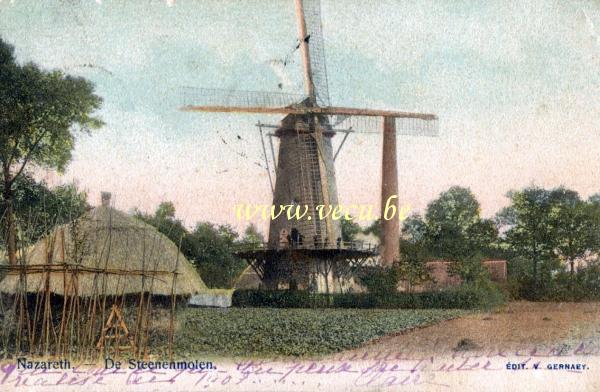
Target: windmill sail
{"x": 212, "y": 97}
{"x": 314, "y": 38}
{"x": 407, "y": 126}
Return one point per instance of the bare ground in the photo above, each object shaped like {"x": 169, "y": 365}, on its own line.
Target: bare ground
{"x": 518, "y": 325}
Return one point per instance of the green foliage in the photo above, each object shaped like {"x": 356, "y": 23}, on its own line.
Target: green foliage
{"x": 468, "y": 296}
{"x": 521, "y": 282}
{"x": 470, "y": 269}
{"x": 594, "y": 211}
{"x": 252, "y": 236}
{"x": 279, "y": 299}
{"x": 414, "y": 229}
{"x": 210, "y": 247}
{"x": 414, "y": 272}
{"x": 456, "y": 207}
{"x": 544, "y": 232}
{"x": 571, "y": 219}
{"x": 379, "y": 280}
{"x": 165, "y": 212}
{"x": 586, "y": 282}
{"x": 454, "y": 229}
{"x": 291, "y": 332}
{"x": 529, "y": 231}
{"x": 38, "y": 208}
{"x": 164, "y": 220}
{"x": 582, "y": 285}
{"x": 349, "y": 229}
{"x": 214, "y": 254}
{"x": 38, "y": 110}
{"x": 414, "y": 252}
{"x": 375, "y": 229}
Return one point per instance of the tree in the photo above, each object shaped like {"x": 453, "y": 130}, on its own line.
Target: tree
{"x": 457, "y": 207}
{"x": 572, "y": 222}
{"x": 483, "y": 238}
{"x": 412, "y": 266}
{"x": 40, "y": 113}
{"x": 414, "y": 229}
{"x": 594, "y": 211}
{"x": 529, "y": 233}
{"x": 375, "y": 228}
{"x": 382, "y": 281}
{"x": 414, "y": 251}
{"x": 210, "y": 247}
{"x": 215, "y": 258}
{"x": 471, "y": 269}
{"x": 38, "y": 208}
{"x": 164, "y": 221}
{"x": 349, "y": 229}
{"x": 454, "y": 227}
{"x": 594, "y": 199}
{"x": 252, "y": 236}
{"x": 165, "y": 211}
{"x": 544, "y": 227}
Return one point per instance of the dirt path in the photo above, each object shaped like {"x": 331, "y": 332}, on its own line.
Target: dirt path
{"x": 518, "y": 325}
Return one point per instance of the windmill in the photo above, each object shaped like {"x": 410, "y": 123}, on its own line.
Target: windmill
{"x": 305, "y": 172}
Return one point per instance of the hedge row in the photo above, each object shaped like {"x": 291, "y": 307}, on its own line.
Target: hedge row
{"x": 464, "y": 297}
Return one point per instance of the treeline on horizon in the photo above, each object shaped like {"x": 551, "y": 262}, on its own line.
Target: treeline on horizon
{"x": 544, "y": 234}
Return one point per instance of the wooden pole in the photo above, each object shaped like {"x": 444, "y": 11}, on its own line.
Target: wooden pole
{"x": 173, "y": 302}
{"x": 304, "y": 110}
{"x": 389, "y": 194}
{"x": 309, "y": 86}
{"x": 262, "y": 140}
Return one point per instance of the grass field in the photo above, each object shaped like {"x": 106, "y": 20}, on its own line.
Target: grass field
{"x": 262, "y": 332}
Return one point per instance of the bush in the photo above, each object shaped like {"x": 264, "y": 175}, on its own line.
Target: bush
{"x": 470, "y": 296}
{"x": 583, "y": 285}
{"x": 557, "y": 284}
{"x": 279, "y": 299}
{"x": 471, "y": 269}
{"x": 511, "y": 289}
{"x": 380, "y": 280}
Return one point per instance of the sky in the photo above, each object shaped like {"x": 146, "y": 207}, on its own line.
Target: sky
{"x": 515, "y": 85}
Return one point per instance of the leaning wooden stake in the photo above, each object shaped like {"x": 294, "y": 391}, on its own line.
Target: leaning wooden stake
{"x": 173, "y": 301}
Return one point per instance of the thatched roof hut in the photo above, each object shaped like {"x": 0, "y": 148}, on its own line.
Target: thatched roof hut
{"x": 106, "y": 252}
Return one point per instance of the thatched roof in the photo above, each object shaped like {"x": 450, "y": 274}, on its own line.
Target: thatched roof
{"x": 248, "y": 279}
{"x": 104, "y": 239}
